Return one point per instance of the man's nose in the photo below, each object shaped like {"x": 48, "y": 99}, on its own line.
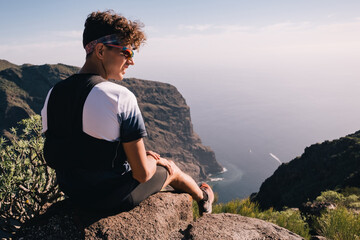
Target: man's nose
{"x": 131, "y": 61}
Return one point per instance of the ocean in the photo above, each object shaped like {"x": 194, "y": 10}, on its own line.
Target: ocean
{"x": 255, "y": 122}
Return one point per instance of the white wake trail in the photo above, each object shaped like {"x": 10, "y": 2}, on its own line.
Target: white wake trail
{"x": 275, "y": 157}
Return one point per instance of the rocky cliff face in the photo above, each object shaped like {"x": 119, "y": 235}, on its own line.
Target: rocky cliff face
{"x": 164, "y": 215}
{"x": 330, "y": 165}
{"x": 23, "y": 91}
{"x": 169, "y": 127}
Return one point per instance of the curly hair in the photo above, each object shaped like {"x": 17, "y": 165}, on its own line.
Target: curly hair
{"x": 99, "y": 24}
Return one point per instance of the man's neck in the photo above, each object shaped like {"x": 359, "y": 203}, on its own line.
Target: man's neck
{"x": 93, "y": 67}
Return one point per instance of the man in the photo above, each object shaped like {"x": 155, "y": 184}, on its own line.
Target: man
{"x": 94, "y": 128}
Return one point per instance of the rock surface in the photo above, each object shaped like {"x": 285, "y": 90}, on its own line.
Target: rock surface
{"x": 228, "y": 226}
{"x": 164, "y": 215}
{"x": 155, "y": 218}
{"x": 23, "y": 90}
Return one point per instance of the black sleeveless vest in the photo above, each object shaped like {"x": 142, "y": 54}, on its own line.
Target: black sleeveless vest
{"x": 66, "y": 145}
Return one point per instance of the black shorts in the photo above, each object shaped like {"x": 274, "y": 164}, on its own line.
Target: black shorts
{"x": 139, "y": 193}
{"x": 109, "y": 191}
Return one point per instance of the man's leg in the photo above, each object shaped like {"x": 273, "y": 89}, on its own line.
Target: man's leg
{"x": 183, "y": 182}
{"x": 180, "y": 181}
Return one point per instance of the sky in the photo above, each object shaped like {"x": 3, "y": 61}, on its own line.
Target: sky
{"x": 209, "y": 36}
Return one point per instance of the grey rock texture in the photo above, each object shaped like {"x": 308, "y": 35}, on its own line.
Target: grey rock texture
{"x": 155, "y": 218}
{"x": 318, "y": 238}
{"x": 228, "y": 226}
{"x": 164, "y": 215}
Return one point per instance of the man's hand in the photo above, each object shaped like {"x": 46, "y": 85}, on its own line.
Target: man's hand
{"x": 153, "y": 154}
{"x": 166, "y": 163}
{"x": 161, "y": 161}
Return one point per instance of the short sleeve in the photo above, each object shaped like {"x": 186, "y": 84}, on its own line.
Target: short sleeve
{"x": 44, "y": 113}
{"x": 132, "y": 126}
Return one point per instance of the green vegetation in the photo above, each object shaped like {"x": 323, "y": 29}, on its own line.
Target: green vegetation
{"x": 5, "y": 64}
{"x": 349, "y": 198}
{"x": 339, "y": 224}
{"x": 341, "y": 221}
{"x": 290, "y": 219}
{"x": 15, "y": 96}
{"x": 27, "y": 185}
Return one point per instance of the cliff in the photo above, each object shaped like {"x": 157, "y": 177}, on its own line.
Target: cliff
{"x": 23, "y": 91}
{"x": 331, "y": 165}
{"x": 169, "y": 127}
{"x": 164, "y": 215}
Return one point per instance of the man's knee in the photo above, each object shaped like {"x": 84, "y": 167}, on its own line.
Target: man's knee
{"x": 176, "y": 170}
{"x": 160, "y": 169}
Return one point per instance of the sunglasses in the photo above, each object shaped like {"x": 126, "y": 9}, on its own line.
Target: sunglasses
{"x": 128, "y": 53}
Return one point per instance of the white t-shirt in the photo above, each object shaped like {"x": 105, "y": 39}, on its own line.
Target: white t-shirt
{"x": 109, "y": 110}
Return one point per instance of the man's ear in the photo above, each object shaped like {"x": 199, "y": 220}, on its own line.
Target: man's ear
{"x": 99, "y": 50}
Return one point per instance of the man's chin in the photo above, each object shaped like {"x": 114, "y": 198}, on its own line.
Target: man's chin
{"x": 118, "y": 77}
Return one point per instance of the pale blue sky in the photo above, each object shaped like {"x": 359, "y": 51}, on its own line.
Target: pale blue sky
{"x": 33, "y": 17}
{"x": 50, "y": 31}
{"x": 204, "y": 39}
{"x": 287, "y": 43}
{"x": 62, "y": 14}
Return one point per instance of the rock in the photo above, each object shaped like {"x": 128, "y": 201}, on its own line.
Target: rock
{"x": 316, "y": 208}
{"x": 8, "y": 227}
{"x": 155, "y": 218}
{"x": 164, "y": 215}
{"x": 318, "y": 238}
{"x": 232, "y": 226}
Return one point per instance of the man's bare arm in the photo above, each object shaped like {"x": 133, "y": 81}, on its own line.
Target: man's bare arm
{"x": 143, "y": 166}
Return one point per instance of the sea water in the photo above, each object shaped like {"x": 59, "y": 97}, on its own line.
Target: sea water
{"x": 255, "y": 123}
{"x": 257, "y": 118}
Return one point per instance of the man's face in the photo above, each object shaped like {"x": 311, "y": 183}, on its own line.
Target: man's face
{"x": 117, "y": 60}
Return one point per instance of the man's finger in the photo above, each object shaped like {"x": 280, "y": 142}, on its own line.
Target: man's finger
{"x": 154, "y": 155}
{"x": 171, "y": 170}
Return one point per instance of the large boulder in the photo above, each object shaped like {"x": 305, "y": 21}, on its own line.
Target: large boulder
{"x": 164, "y": 215}
{"x": 155, "y": 218}
{"x": 232, "y": 226}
